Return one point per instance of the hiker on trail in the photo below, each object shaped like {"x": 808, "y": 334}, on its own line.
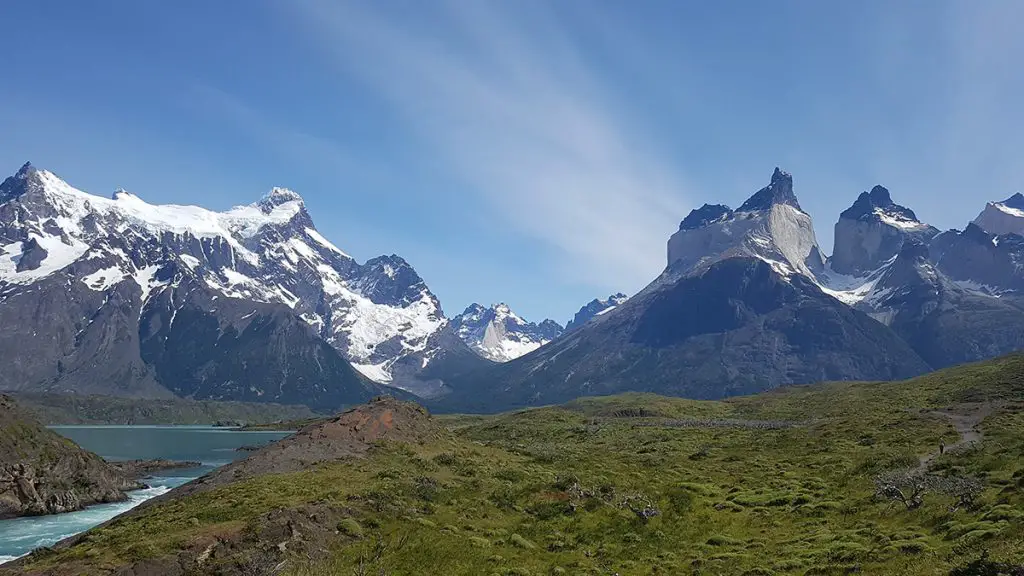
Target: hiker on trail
{"x": 942, "y": 447}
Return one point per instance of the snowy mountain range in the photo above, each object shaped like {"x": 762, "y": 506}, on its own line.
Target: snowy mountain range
{"x": 498, "y": 334}
{"x": 113, "y": 295}
{"x": 379, "y": 316}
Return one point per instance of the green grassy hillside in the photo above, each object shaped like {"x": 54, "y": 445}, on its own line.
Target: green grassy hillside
{"x": 780, "y": 483}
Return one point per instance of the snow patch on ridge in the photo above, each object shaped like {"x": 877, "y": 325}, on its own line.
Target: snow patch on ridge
{"x": 103, "y": 279}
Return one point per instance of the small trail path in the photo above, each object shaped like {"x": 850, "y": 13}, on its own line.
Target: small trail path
{"x": 965, "y": 418}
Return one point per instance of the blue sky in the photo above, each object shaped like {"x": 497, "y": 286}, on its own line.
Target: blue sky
{"x": 538, "y": 153}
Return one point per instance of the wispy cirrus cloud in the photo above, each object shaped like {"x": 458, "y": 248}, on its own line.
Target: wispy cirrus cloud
{"x": 505, "y": 103}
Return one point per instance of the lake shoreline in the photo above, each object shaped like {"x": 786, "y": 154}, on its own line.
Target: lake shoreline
{"x": 147, "y": 450}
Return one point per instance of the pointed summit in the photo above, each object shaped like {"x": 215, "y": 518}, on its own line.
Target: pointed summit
{"x": 279, "y": 197}
{"x": 1016, "y": 201}
{"x": 1006, "y": 217}
{"x": 779, "y": 191}
{"x": 25, "y": 170}
{"x": 17, "y": 185}
{"x": 877, "y": 206}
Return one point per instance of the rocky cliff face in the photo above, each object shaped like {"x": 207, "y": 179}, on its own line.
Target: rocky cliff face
{"x": 984, "y": 262}
{"x": 872, "y": 231}
{"x": 1006, "y": 217}
{"x": 769, "y": 226}
{"x": 44, "y": 473}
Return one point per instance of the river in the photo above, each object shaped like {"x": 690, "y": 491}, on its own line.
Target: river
{"x": 213, "y": 447}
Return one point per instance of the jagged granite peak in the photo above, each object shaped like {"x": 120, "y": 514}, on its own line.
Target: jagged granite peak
{"x": 877, "y": 205}
{"x": 872, "y": 231}
{"x": 1006, "y": 217}
{"x": 16, "y": 185}
{"x": 499, "y": 335}
{"x": 778, "y": 191}
{"x": 770, "y": 226}
{"x": 380, "y": 316}
{"x": 706, "y": 214}
{"x": 594, "y": 308}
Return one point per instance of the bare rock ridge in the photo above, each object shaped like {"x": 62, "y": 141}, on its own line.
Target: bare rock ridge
{"x": 770, "y": 225}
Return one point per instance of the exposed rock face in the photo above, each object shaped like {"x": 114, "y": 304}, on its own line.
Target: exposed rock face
{"x": 944, "y": 322}
{"x": 44, "y": 473}
{"x": 872, "y": 231}
{"x": 498, "y": 334}
{"x": 1006, "y": 217}
{"x": 770, "y": 225}
{"x": 595, "y": 308}
{"x": 989, "y": 263}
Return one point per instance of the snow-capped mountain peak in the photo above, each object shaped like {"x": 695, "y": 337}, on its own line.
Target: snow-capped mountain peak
{"x": 1006, "y": 217}
{"x": 498, "y": 334}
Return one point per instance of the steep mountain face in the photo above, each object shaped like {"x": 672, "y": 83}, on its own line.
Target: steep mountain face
{"x": 872, "y": 231}
{"x": 739, "y": 309}
{"x": 948, "y": 295}
{"x": 1006, "y": 217}
{"x": 595, "y": 308}
{"x": 987, "y": 263}
{"x": 115, "y": 296}
{"x": 499, "y": 335}
{"x": 944, "y": 322}
{"x": 769, "y": 226}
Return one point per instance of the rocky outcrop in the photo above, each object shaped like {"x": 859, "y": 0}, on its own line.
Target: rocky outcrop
{"x": 146, "y": 468}
{"x": 44, "y": 473}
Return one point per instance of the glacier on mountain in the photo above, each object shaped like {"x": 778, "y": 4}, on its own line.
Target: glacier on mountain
{"x": 376, "y": 314}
